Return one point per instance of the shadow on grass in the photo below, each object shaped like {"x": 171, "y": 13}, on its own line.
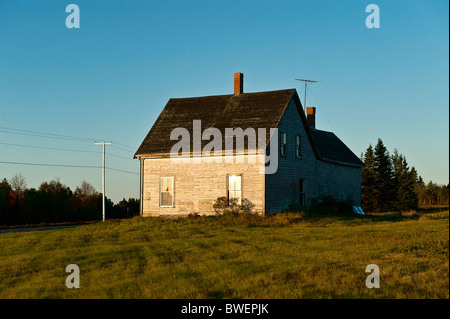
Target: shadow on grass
{"x": 285, "y": 219}
{"x": 292, "y": 218}
{"x": 432, "y": 209}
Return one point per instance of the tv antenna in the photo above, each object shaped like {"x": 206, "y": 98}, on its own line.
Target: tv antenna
{"x": 306, "y": 83}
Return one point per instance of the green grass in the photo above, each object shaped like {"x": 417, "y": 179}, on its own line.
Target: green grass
{"x": 282, "y": 256}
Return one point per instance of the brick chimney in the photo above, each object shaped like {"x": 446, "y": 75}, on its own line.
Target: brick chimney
{"x": 238, "y": 83}
{"x": 311, "y": 116}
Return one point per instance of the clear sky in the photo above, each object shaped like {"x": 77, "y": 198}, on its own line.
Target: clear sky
{"x": 110, "y": 79}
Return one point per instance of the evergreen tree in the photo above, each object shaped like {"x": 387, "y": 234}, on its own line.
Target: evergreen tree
{"x": 431, "y": 190}
{"x": 404, "y": 183}
{"x": 384, "y": 195}
{"x": 411, "y": 196}
{"x": 414, "y": 175}
{"x": 368, "y": 179}
{"x": 419, "y": 189}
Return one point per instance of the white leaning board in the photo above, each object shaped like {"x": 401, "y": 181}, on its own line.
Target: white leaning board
{"x": 358, "y": 210}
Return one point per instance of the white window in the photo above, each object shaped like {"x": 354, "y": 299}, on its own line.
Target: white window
{"x": 166, "y": 193}
{"x": 283, "y": 139}
{"x": 235, "y": 188}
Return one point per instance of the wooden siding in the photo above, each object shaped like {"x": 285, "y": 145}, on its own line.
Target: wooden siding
{"x": 197, "y": 185}
{"x": 320, "y": 178}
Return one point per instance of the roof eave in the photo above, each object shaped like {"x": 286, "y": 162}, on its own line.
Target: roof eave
{"x": 341, "y": 162}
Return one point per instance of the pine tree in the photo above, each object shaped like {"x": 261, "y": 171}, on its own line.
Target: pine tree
{"x": 412, "y": 198}
{"x": 388, "y": 183}
{"x": 368, "y": 179}
{"x": 404, "y": 183}
{"x": 419, "y": 186}
{"x": 384, "y": 187}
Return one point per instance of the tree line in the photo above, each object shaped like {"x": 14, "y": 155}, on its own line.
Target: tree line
{"x": 388, "y": 183}
{"x": 54, "y": 202}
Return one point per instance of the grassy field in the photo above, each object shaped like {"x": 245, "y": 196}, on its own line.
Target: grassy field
{"x": 283, "y": 256}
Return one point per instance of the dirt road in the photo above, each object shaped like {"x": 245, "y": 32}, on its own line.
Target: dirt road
{"x": 35, "y": 228}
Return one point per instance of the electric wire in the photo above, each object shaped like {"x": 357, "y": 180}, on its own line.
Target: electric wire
{"x": 50, "y": 148}
{"x": 50, "y": 165}
{"x": 64, "y": 149}
{"x": 119, "y": 148}
{"x": 66, "y": 165}
{"x": 323, "y": 111}
{"x": 11, "y": 130}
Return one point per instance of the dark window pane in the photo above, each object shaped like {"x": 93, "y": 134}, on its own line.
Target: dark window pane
{"x": 299, "y": 146}
{"x": 283, "y": 144}
{"x": 301, "y": 199}
{"x": 167, "y": 191}
{"x": 166, "y": 199}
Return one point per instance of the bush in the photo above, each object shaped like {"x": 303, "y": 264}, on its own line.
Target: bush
{"x": 247, "y": 206}
{"x": 223, "y": 206}
{"x": 296, "y": 208}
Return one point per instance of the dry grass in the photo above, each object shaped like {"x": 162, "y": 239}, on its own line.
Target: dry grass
{"x": 288, "y": 255}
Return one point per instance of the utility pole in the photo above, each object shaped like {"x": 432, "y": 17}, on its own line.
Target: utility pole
{"x": 103, "y": 175}
{"x": 306, "y": 82}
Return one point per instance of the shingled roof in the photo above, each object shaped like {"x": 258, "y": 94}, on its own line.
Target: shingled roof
{"x": 245, "y": 110}
{"x": 332, "y": 149}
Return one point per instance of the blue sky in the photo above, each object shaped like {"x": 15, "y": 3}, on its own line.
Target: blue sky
{"x": 110, "y": 79}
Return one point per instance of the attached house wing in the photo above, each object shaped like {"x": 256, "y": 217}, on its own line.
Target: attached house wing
{"x": 332, "y": 149}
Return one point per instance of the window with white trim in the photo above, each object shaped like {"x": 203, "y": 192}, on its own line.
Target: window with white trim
{"x": 235, "y": 188}
{"x": 166, "y": 192}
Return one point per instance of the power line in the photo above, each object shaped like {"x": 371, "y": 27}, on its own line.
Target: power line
{"x": 122, "y": 149}
{"x": 119, "y": 170}
{"x": 132, "y": 147}
{"x": 66, "y": 165}
{"x": 35, "y": 135}
{"x": 323, "y": 110}
{"x": 50, "y": 165}
{"x": 9, "y": 130}
{"x": 43, "y": 134}
{"x": 49, "y": 148}
{"x": 52, "y": 135}
{"x": 126, "y": 158}
{"x": 63, "y": 149}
